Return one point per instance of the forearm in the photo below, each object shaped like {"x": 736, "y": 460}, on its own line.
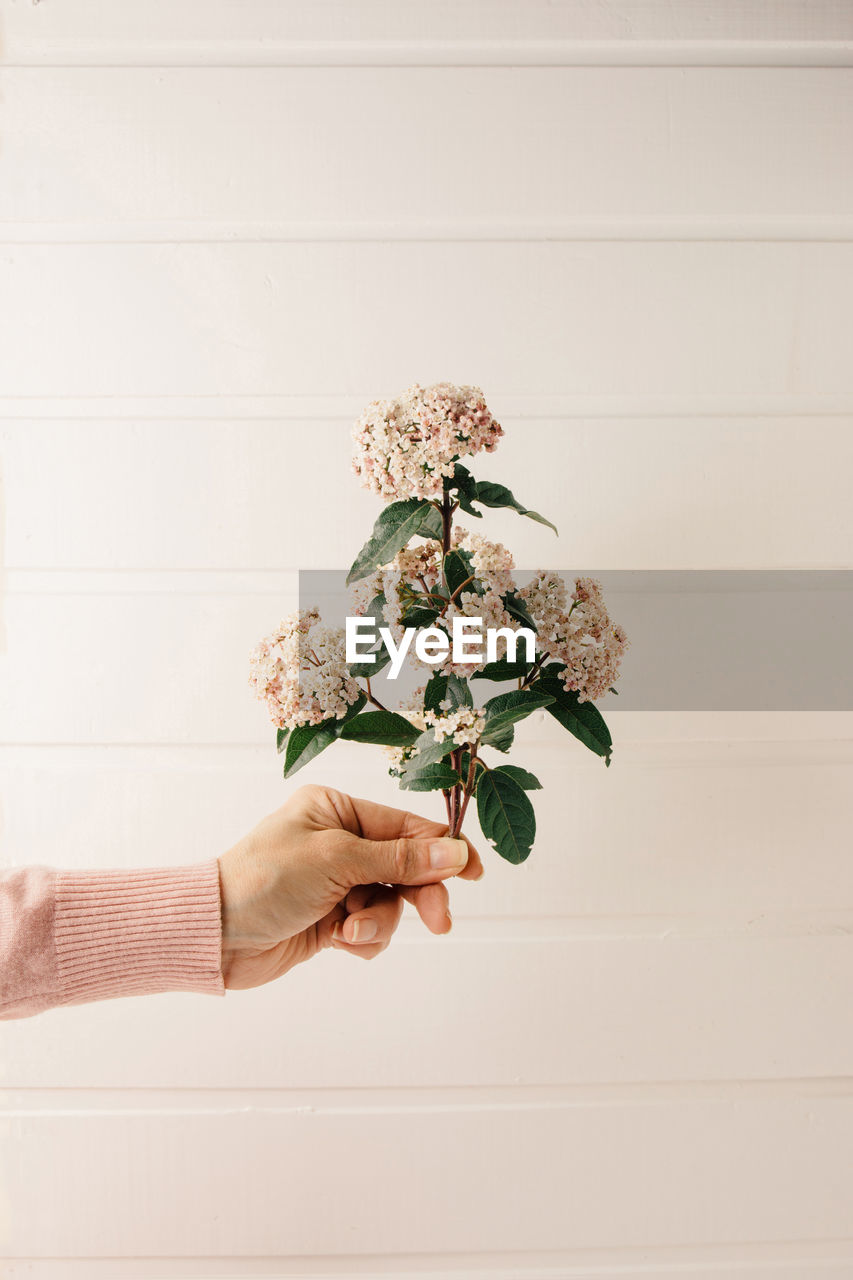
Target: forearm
{"x": 71, "y": 937}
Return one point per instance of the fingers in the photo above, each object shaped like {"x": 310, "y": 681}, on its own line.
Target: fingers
{"x": 432, "y": 903}
{"x": 474, "y": 869}
{"x": 380, "y": 823}
{"x": 374, "y": 913}
{"x": 382, "y": 905}
{"x": 355, "y": 860}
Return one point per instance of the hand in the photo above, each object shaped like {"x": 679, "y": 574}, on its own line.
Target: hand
{"x": 326, "y": 859}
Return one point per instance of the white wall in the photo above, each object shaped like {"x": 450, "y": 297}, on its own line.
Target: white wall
{"x": 224, "y": 229}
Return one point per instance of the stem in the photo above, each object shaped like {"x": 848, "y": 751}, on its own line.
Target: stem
{"x": 454, "y": 795}
{"x": 533, "y": 672}
{"x": 455, "y": 755}
{"x": 446, "y": 795}
{"x": 466, "y": 794}
{"x": 446, "y": 521}
{"x": 371, "y": 698}
{"x": 462, "y": 585}
{"x": 463, "y": 811}
{"x": 469, "y": 786}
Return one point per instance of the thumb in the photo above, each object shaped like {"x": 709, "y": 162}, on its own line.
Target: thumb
{"x": 404, "y": 860}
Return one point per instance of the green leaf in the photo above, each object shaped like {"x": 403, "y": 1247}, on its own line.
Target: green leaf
{"x": 419, "y": 616}
{"x": 431, "y": 526}
{"x": 307, "y": 741}
{"x": 385, "y": 728}
{"x": 458, "y": 571}
{"x": 583, "y": 719}
{"x": 497, "y": 495}
{"x": 281, "y": 739}
{"x": 516, "y": 608}
{"x": 502, "y": 670}
{"x": 427, "y": 751}
{"x": 365, "y": 670}
{"x": 435, "y": 691}
{"x": 458, "y": 692}
{"x": 527, "y": 781}
{"x": 506, "y": 708}
{"x": 503, "y": 738}
{"x": 453, "y": 689}
{"x": 506, "y": 815}
{"x": 465, "y": 487}
{"x": 434, "y": 777}
{"x": 399, "y": 522}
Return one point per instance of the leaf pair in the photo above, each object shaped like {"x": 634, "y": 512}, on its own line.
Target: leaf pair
{"x": 401, "y": 521}
{"x": 488, "y": 494}
{"x": 382, "y": 728}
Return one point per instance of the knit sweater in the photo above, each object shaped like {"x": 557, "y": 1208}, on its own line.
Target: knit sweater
{"x": 70, "y": 937}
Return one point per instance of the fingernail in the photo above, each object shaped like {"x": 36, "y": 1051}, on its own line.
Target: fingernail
{"x": 337, "y": 932}
{"x": 449, "y": 920}
{"x": 363, "y": 930}
{"x": 447, "y": 852}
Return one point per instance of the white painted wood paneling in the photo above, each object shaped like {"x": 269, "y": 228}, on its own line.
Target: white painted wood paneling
{"x": 227, "y": 499}
{"x": 685, "y": 851}
{"x": 802, "y": 1260}
{"x": 648, "y": 320}
{"x": 541, "y": 1177}
{"x": 225, "y": 228}
{"x": 224, "y": 153}
{"x": 377, "y": 32}
{"x": 507, "y": 1007}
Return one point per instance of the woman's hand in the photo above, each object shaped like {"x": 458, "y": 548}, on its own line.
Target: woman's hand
{"x": 328, "y": 870}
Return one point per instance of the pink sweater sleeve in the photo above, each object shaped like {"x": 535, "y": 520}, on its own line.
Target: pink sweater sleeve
{"x": 69, "y": 937}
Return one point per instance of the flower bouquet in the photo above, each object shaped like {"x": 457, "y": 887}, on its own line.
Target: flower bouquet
{"x": 442, "y": 597}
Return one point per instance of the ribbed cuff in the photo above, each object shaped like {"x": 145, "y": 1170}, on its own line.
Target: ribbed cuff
{"x": 123, "y": 933}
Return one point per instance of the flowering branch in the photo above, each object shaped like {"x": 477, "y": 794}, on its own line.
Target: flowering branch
{"x": 409, "y": 451}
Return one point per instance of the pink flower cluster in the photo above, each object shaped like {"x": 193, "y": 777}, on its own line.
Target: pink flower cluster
{"x": 300, "y": 673}
{"x": 405, "y": 446}
{"x": 581, "y": 635}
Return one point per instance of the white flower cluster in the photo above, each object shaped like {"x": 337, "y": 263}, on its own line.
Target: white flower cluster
{"x": 464, "y": 724}
{"x": 405, "y": 446}
{"x": 413, "y": 709}
{"x": 492, "y": 561}
{"x": 300, "y": 673}
{"x": 581, "y": 635}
